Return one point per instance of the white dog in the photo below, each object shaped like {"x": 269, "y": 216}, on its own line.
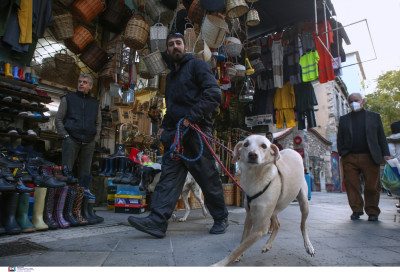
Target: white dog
{"x": 271, "y": 180}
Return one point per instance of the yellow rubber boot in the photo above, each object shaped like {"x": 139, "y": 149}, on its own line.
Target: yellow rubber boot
{"x": 38, "y": 208}
{"x": 7, "y": 70}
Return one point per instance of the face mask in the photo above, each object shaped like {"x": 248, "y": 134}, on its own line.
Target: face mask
{"x": 355, "y": 106}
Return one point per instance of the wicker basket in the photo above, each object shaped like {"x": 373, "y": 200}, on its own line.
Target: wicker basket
{"x": 253, "y": 52}
{"x": 63, "y": 60}
{"x": 86, "y": 10}
{"x": 236, "y": 8}
{"x": 158, "y": 37}
{"x": 155, "y": 63}
{"x": 136, "y": 32}
{"x": 240, "y": 70}
{"x": 213, "y": 31}
{"x": 258, "y": 66}
{"x": 66, "y": 3}
{"x": 116, "y": 16}
{"x": 229, "y": 193}
{"x": 252, "y": 18}
{"x": 233, "y": 46}
{"x": 190, "y": 38}
{"x": 82, "y": 37}
{"x": 252, "y": 1}
{"x": 202, "y": 51}
{"x": 196, "y": 12}
{"x": 62, "y": 27}
{"x": 94, "y": 56}
{"x": 158, "y": 12}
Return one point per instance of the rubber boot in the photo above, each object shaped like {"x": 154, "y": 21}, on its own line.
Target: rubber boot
{"x": 48, "y": 210}
{"x": 77, "y": 207}
{"x": 9, "y": 205}
{"x": 106, "y": 168}
{"x": 85, "y": 182}
{"x": 85, "y": 211}
{"x": 15, "y": 72}
{"x": 7, "y": 70}
{"x": 38, "y": 208}
{"x": 21, "y": 74}
{"x": 2, "y": 68}
{"x": 69, "y": 203}
{"x": 111, "y": 170}
{"x": 92, "y": 213}
{"x": 59, "y": 203}
{"x": 28, "y": 77}
{"x": 34, "y": 81}
{"x": 22, "y": 214}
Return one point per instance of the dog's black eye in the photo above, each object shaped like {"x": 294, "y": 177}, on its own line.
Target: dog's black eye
{"x": 246, "y": 144}
{"x": 264, "y": 146}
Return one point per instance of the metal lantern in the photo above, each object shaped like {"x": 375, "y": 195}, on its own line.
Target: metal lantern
{"x": 247, "y": 91}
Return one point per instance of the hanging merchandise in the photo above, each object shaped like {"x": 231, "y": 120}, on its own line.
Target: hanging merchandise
{"x": 252, "y": 1}
{"x": 249, "y": 68}
{"x": 158, "y": 37}
{"x": 86, "y": 10}
{"x": 240, "y": 71}
{"x": 143, "y": 70}
{"x": 154, "y": 83}
{"x": 66, "y": 3}
{"x": 128, "y": 96}
{"x": 252, "y": 18}
{"x": 63, "y": 27}
{"x": 190, "y": 37}
{"x": 196, "y": 12}
{"x": 309, "y": 66}
{"x": 253, "y": 52}
{"x": 115, "y": 88}
{"x": 158, "y": 12}
{"x": 258, "y": 66}
{"x": 213, "y": 30}
{"x": 94, "y": 56}
{"x": 214, "y": 5}
{"x": 236, "y": 8}
{"x": 136, "y": 32}
{"x": 163, "y": 82}
{"x": 233, "y": 46}
{"x": 82, "y": 37}
{"x": 116, "y": 16}
{"x": 139, "y": 4}
{"x": 277, "y": 63}
{"x": 247, "y": 91}
{"x": 284, "y": 103}
{"x": 155, "y": 63}
{"x": 202, "y": 51}
{"x": 63, "y": 60}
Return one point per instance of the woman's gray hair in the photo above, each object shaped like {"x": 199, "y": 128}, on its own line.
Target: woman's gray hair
{"x": 87, "y": 76}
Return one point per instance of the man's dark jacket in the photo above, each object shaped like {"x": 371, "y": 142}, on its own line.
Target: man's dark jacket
{"x": 192, "y": 92}
{"x": 81, "y": 117}
{"x": 376, "y": 138}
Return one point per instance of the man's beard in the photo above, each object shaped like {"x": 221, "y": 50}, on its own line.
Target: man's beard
{"x": 177, "y": 58}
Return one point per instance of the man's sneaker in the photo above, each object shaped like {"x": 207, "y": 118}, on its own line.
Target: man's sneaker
{"x": 219, "y": 226}
{"x": 356, "y": 215}
{"x": 145, "y": 224}
{"x": 372, "y": 217}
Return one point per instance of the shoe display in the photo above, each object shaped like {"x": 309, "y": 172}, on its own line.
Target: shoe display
{"x": 22, "y": 214}
{"x": 219, "y": 226}
{"x": 372, "y": 217}
{"x": 31, "y": 133}
{"x": 9, "y": 209}
{"x": 12, "y": 130}
{"x": 77, "y": 207}
{"x": 69, "y": 203}
{"x": 6, "y": 186}
{"x": 38, "y": 209}
{"x": 48, "y": 210}
{"x": 356, "y": 215}
{"x": 68, "y": 173}
{"x": 59, "y": 203}
{"x": 145, "y": 224}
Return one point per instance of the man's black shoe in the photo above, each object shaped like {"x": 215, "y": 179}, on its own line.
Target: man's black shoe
{"x": 146, "y": 225}
{"x": 356, "y": 215}
{"x": 219, "y": 226}
{"x": 372, "y": 217}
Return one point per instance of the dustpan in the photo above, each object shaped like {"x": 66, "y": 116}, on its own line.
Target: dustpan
{"x": 115, "y": 89}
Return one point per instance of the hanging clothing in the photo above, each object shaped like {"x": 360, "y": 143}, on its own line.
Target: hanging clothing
{"x": 337, "y": 66}
{"x": 6, "y": 6}
{"x": 338, "y": 37}
{"x": 277, "y": 63}
{"x": 305, "y": 102}
{"x": 325, "y": 63}
{"x": 12, "y": 33}
{"x": 42, "y": 16}
{"x": 309, "y": 66}
{"x": 25, "y": 14}
{"x": 307, "y": 42}
{"x": 266, "y": 80}
{"x": 291, "y": 58}
{"x": 284, "y": 103}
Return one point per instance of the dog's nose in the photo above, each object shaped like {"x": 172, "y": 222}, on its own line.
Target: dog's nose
{"x": 252, "y": 156}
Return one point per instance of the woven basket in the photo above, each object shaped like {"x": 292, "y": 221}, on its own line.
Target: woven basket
{"x": 240, "y": 70}
{"x": 252, "y": 1}
{"x": 236, "y": 8}
{"x": 136, "y": 32}
{"x": 253, "y": 52}
{"x": 190, "y": 38}
{"x": 62, "y": 27}
{"x": 258, "y": 66}
{"x": 233, "y": 46}
{"x": 63, "y": 60}
{"x": 155, "y": 63}
{"x": 229, "y": 193}
{"x": 252, "y": 18}
{"x": 158, "y": 12}
{"x": 139, "y": 4}
{"x": 202, "y": 51}
{"x": 66, "y": 3}
{"x": 116, "y": 16}
{"x": 213, "y": 31}
{"x": 94, "y": 56}
{"x": 158, "y": 37}
{"x": 86, "y": 10}
{"x": 196, "y": 12}
{"x": 82, "y": 37}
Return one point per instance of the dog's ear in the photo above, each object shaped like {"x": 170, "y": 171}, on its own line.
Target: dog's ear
{"x": 236, "y": 155}
{"x": 275, "y": 152}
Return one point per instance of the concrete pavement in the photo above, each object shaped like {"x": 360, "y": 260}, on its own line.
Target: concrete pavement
{"x": 338, "y": 241}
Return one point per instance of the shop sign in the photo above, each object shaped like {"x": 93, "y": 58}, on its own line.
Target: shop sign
{"x": 258, "y": 120}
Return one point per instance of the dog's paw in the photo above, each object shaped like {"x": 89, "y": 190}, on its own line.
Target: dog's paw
{"x": 239, "y": 258}
{"x": 182, "y": 219}
{"x": 265, "y": 250}
{"x": 310, "y": 250}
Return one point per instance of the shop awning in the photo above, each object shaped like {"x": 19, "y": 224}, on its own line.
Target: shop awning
{"x": 277, "y": 14}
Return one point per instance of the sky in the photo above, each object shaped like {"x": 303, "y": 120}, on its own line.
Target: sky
{"x": 383, "y": 21}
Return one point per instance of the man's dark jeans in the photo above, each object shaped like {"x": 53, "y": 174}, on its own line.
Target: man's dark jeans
{"x": 72, "y": 150}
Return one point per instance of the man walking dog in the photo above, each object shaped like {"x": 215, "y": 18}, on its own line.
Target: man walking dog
{"x": 193, "y": 94}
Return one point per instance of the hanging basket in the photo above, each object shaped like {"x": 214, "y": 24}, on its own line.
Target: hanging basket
{"x": 136, "y": 32}
{"x": 202, "y": 51}
{"x": 86, "y": 10}
{"x": 233, "y": 46}
{"x": 196, "y": 12}
{"x": 158, "y": 37}
{"x": 253, "y": 52}
{"x": 94, "y": 56}
{"x": 116, "y": 16}
{"x": 240, "y": 70}
{"x": 155, "y": 63}
{"x": 82, "y": 37}
{"x": 213, "y": 31}
{"x": 236, "y": 8}
{"x": 258, "y": 66}
{"x": 62, "y": 27}
{"x": 252, "y": 18}
{"x": 63, "y": 60}
{"x": 158, "y": 12}
{"x": 190, "y": 38}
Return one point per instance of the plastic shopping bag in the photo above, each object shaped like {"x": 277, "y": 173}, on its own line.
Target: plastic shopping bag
{"x": 391, "y": 180}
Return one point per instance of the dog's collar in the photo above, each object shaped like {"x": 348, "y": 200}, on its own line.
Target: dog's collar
{"x": 250, "y": 198}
